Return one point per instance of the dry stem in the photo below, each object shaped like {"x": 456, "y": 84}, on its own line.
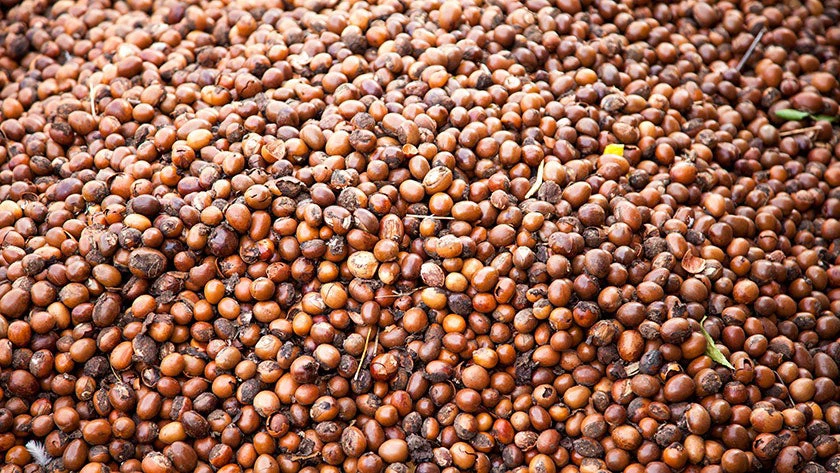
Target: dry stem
{"x": 400, "y": 294}
{"x": 93, "y": 88}
{"x": 751, "y": 49}
{"x": 296, "y": 458}
{"x": 375, "y": 343}
{"x": 430, "y": 216}
{"x": 799, "y": 131}
{"x": 538, "y": 181}
{"x": 785, "y": 385}
{"x": 364, "y": 354}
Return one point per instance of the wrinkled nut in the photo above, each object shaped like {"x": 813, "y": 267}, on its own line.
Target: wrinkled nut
{"x": 362, "y": 264}
{"x": 438, "y": 179}
{"x": 146, "y": 263}
{"x": 156, "y": 462}
{"x": 432, "y": 274}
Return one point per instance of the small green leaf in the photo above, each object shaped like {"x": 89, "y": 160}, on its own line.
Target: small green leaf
{"x": 712, "y": 350}
{"x": 791, "y": 114}
{"x": 826, "y": 118}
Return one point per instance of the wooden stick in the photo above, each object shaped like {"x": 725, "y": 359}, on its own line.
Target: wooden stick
{"x": 538, "y": 181}
{"x": 375, "y": 343}
{"x": 364, "y": 353}
{"x": 785, "y": 385}
{"x": 751, "y": 49}
{"x": 118, "y": 377}
{"x": 429, "y": 216}
{"x": 92, "y": 88}
{"x": 297, "y": 458}
{"x": 799, "y": 131}
{"x": 400, "y": 294}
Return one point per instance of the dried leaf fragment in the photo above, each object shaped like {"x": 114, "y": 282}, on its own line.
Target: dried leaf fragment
{"x": 538, "y": 182}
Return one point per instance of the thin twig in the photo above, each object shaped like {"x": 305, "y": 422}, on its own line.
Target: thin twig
{"x": 799, "y": 131}
{"x": 375, "y": 343}
{"x": 538, "y": 181}
{"x": 119, "y": 379}
{"x": 400, "y": 294}
{"x": 430, "y": 216}
{"x": 785, "y": 385}
{"x": 364, "y": 354}
{"x": 296, "y": 458}
{"x": 751, "y": 49}
{"x": 93, "y": 88}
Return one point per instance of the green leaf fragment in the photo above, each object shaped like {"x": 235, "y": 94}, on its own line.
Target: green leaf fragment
{"x": 712, "y": 350}
{"x": 791, "y": 114}
{"x": 827, "y": 118}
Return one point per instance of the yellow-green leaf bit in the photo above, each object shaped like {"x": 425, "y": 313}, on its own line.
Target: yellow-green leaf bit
{"x": 791, "y": 114}
{"x": 712, "y": 350}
